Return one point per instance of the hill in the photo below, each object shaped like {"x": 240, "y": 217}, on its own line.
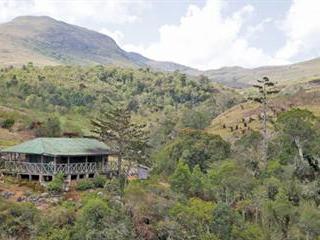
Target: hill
{"x": 46, "y": 41}
{"x": 240, "y": 119}
{"x": 244, "y": 77}
{"x": 29, "y": 95}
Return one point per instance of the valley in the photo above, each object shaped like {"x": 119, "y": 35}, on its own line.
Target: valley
{"x": 212, "y": 173}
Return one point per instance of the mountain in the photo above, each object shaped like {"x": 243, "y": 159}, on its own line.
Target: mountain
{"x": 288, "y": 74}
{"x": 46, "y": 41}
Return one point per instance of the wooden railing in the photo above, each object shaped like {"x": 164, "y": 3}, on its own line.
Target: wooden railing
{"x": 2, "y": 163}
{"x": 51, "y": 169}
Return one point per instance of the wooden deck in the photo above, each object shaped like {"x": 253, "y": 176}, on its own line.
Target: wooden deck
{"x": 49, "y": 169}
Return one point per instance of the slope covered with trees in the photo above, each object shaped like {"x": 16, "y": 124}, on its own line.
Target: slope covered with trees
{"x": 69, "y": 97}
{"x": 203, "y": 186}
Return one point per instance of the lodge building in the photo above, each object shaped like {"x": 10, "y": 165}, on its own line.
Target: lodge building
{"x": 42, "y": 158}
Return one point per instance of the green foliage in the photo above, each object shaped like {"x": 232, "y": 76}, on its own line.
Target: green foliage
{"x": 205, "y": 189}
{"x": 194, "y": 215}
{"x": 99, "y": 221}
{"x": 17, "y": 220}
{"x": 50, "y": 128}
{"x": 195, "y": 119}
{"x": 299, "y": 142}
{"x": 223, "y": 221}
{"x": 85, "y": 184}
{"x": 7, "y": 123}
{"x": 76, "y": 94}
{"x": 297, "y": 123}
{"x": 197, "y": 181}
{"x": 99, "y": 181}
{"x": 58, "y": 225}
{"x": 180, "y": 180}
{"x": 94, "y": 214}
{"x": 194, "y": 148}
{"x": 116, "y": 128}
{"x": 310, "y": 221}
{"x": 56, "y": 185}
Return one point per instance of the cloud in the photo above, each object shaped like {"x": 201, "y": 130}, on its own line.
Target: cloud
{"x": 252, "y": 31}
{"x": 206, "y": 39}
{"x": 302, "y": 29}
{"x": 88, "y": 13}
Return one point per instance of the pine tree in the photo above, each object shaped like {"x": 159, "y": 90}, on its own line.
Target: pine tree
{"x": 265, "y": 88}
{"x": 128, "y": 139}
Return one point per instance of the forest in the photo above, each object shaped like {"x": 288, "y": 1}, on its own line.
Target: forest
{"x": 261, "y": 184}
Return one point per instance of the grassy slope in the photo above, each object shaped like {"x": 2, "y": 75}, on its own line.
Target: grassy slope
{"x": 305, "y": 95}
{"x": 289, "y": 74}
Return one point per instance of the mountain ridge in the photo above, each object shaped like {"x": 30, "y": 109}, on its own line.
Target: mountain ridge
{"x": 285, "y": 74}
{"x": 46, "y": 41}
{"x": 54, "y": 42}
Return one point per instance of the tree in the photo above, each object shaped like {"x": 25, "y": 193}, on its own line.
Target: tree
{"x": 265, "y": 89}
{"x": 50, "y": 128}
{"x": 128, "y": 139}
{"x": 310, "y": 222}
{"x": 282, "y": 213}
{"x": 194, "y": 147}
{"x": 195, "y": 215}
{"x": 197, "y": 182}
{"x": 180, "y": 180}
{"x": 56, "y": 185}
{"x": 195, "y": 119}
{"x": 97, "y": 220}
{"x": 298, "y": 126}
{"x": 223, "y": 220}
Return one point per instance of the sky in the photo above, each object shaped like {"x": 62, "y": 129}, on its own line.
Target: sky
{"x": 204, "y": 34}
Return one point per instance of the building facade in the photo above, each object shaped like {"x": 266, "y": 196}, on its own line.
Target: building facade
{"x": 42, "y": 158}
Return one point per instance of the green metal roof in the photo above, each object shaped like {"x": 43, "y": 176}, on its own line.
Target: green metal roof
{"x": 61, "y": 147}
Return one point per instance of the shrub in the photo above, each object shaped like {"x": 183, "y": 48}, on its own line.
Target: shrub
{"x": 8, "y": 123}
{"x": 85, "y": 184}
{"x": 56, "y": 185}
{"x": 17, "y": 219}
{"x": 112, "y": 186}
{"x": 180, "y": 179}
{"x": 99, "y": 181}
{"x": 50, "y": 128}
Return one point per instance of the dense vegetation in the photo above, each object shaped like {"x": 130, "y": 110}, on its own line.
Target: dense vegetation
{"x": 75, "y": 95}
{"x": 202, "y": 187}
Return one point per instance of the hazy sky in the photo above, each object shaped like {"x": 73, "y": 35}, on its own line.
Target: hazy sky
{"x": 204, "y": 34}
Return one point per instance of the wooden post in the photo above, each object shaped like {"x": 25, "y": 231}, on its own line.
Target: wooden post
{"x": 69, "y": 174}
{"x": 102, "y": 162}
{"x": 54, "y": 165}
{"x": 41, "y": 170}
{"x": 106, "y": 165}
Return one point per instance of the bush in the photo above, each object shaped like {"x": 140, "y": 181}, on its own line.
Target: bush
{"x": 50, "y": 128}
{"x": 85, "y": 184}
{"x": 56, "y": 185}
{"x": 99, "y": 181}
{"x": 8, "y": 123}
{"x": 17, "y": 219}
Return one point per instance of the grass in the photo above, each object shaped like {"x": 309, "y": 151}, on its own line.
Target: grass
{"x": 307, "y": 99}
